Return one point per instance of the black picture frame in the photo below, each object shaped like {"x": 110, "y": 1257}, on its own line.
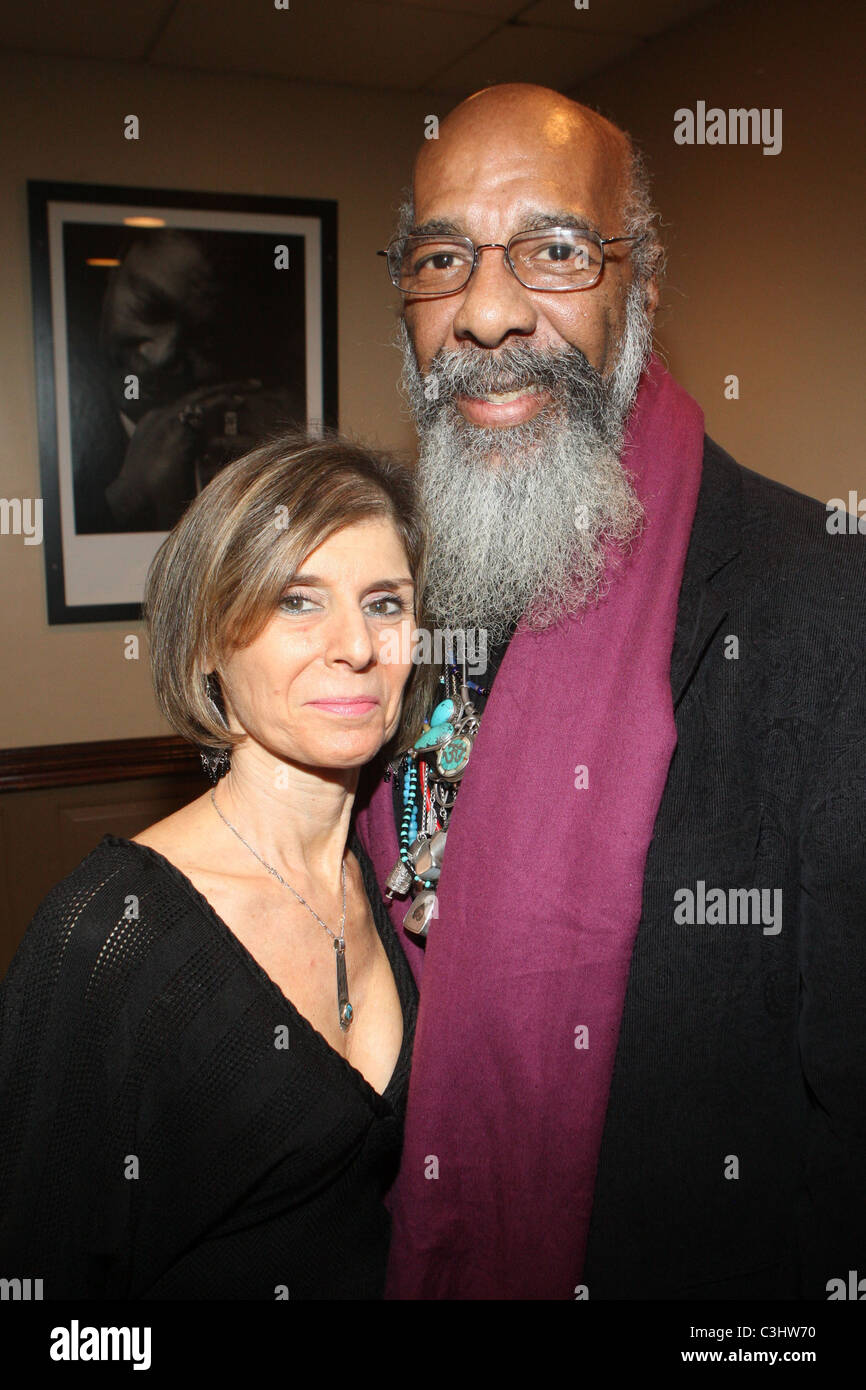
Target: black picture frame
{"x": 95, "y": 567}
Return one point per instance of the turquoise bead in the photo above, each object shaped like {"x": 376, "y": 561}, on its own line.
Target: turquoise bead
{"x": 443, "y": 711}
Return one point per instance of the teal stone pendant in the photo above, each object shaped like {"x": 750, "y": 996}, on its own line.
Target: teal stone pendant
{"x": 441, "y": 728}
{"x": 446, "y": 709}
{"x": 452, "y": 759}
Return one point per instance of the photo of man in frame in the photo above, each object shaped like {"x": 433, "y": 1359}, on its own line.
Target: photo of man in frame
{"x": 188, "y": 355}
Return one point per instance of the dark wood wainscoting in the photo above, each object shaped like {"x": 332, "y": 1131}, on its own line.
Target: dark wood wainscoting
{"x": 57, "y": 802}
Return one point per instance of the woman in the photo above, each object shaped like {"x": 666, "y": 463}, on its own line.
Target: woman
{"x": 206, "y": 1031}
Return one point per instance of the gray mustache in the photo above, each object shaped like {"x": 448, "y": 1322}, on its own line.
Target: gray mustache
{"x": 475, "y": 373}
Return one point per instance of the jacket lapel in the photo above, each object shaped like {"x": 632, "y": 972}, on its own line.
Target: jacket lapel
{"x": 715, "y": 541}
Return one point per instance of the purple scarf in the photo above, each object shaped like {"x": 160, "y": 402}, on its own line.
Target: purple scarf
{"x": 539, "y": 903}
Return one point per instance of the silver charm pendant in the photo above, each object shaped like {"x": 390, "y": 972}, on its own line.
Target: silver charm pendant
{"x": 418, "y": 917}
{"x": 416, "y": 847}
{"x": 424, "y": 860}
{"x": 426, "y": 854}
{"x": 399, "y": 880}
{"x": 347, "y": 1013}
{"x": 437, "y": 847}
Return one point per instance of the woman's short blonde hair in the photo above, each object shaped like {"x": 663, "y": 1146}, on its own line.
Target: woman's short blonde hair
{"x": 218, "y": 577}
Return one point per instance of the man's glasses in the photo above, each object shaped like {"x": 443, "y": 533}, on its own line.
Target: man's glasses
{"x": 559, "y": 258}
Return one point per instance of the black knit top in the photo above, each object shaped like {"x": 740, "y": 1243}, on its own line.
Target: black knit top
{"x": 170, "y": 1126}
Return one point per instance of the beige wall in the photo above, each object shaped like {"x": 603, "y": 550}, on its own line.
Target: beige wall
{"x": 789, "y": 319}
{"x": 63, "y": 120}
{"x": 794, "y": 338}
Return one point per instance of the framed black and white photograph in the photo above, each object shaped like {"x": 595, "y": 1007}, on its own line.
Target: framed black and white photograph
{"x": 173, "y": 332}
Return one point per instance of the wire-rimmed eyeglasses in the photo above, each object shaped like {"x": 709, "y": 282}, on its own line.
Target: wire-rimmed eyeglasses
{"x": 558, "y": 258}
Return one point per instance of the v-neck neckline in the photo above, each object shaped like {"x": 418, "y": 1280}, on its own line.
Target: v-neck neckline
{"x": 380, "y": 1097}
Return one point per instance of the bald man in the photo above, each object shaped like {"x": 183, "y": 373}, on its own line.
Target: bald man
{"x": 628, "y": 862}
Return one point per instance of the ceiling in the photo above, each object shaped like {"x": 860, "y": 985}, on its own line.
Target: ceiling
{"x": 437, "y": 46}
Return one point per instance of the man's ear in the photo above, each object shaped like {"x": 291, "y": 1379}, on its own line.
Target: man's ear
{"x": 651, "y": 296}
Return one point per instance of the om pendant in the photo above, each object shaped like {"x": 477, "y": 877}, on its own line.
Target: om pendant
{"x": 452, "y": 758}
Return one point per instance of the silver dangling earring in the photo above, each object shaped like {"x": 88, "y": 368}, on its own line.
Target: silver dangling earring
{"x": 216, "y": 762}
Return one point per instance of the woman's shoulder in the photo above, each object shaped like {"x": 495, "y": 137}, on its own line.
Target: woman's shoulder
{"x": 102, "y": 878}
{"x": 119, "y": 886}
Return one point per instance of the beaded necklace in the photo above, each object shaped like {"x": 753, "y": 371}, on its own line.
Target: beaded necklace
{"x": 442, "y": 751}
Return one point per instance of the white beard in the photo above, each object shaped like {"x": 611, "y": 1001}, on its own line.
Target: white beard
{"x": 533, "y": 534}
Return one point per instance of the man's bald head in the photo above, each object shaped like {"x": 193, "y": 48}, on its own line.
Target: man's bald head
{"x": 516, "y": 110}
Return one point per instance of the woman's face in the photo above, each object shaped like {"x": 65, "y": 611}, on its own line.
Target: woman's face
{"x": 322, "y": 683}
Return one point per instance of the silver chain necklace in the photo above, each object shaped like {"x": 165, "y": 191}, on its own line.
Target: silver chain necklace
{"x": 346, "y": 1012}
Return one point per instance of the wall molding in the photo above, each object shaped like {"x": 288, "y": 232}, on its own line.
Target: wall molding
{"x": 109, "y": 760}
